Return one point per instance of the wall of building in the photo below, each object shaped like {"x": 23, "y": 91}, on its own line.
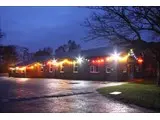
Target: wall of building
{"x": 119, "y": 72}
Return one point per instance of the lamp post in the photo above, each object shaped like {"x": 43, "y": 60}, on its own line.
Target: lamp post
{"x": 116, "y": 57}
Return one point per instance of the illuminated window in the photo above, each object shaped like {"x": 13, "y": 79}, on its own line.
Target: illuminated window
{"x": 94, "y": 69}
{"x": 50, "y": 68}
{"x": 62, "y": 68}
{"x": 42, "y": 69}
{"x": 75, "y": 68}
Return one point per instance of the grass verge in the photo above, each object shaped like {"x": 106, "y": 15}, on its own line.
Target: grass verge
{"x": 145, "y": 95}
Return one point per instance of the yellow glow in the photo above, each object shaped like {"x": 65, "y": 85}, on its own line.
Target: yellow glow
{"x": 124, "y": 59}
{"x": 17, "y": 67}
{"x": 108, "y": 58}
{"x": 31, "y": 67}
{"x": 39, "y": 64}
{"x": 117, "y": 58}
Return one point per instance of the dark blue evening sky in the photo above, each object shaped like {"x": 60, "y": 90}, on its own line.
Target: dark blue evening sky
{"x": 38, "y": 27}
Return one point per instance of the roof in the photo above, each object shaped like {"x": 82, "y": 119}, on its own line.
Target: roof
{"x": 37, "y": 59}
{"x": 96, "y": 52}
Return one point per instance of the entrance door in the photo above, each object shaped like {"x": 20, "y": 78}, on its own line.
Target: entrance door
{"x": 131, "y": 68}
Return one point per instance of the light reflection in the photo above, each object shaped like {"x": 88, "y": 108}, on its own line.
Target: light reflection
{"x": 115, "y": 93}
{"x": 115, "y": 84}
{"x": 23, "y": 79}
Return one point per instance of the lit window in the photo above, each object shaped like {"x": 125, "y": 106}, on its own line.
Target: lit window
{"x": 50, "y": 68}
{"x": 94, "y": 69}
{"x": 75, "y": 68}
{"x": 42, "y": 69}
{"x": 62, "y": 68}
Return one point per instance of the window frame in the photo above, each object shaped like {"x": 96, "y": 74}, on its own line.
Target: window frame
{"x": 112, "y": 69}
{"x": 93, "y": 69}
{"x": 62, "y": 67}
{"x": 42, "y": 69}
{"x": 75, "y": 65}
{"x": 107, "y": 67}
{"x": 50, "y": 67}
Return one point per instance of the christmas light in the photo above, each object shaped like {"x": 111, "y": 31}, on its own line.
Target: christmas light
{"x": 108, "y": 59}
{"x": 102, "y": 60}
{"x": 140, "y": 60}
{"x": 11, "y": 68}
{"x": 54, "y": 62}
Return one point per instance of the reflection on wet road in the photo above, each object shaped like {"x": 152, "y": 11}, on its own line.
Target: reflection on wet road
{"x": 56, "y": 95}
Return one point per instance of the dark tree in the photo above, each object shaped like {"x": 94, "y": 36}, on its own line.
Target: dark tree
{"x": 8, "y": 57}
{"x": 123, "y": 25}
{"x": 44, "y": 52}
{"x": 69, "y": 47}
{"x": 1, "y": 34}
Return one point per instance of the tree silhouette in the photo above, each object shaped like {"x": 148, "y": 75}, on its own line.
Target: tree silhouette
{"x": 69, "y": 47}
{"x": 124, "y": 25}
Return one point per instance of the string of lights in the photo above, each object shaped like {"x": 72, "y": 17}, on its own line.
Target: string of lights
{"x": 79, "y": 60}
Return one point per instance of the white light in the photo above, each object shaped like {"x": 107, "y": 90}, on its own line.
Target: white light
{"x": 54, "y": 61}
{"x": 115, "y": 93}
{"x": 79, "y": 59}
{"x": 115, "y": 56}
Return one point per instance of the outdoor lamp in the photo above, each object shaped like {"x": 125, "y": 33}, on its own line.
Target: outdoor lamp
{"x": 79, "y": 59}
{"x": 115, "y": 56}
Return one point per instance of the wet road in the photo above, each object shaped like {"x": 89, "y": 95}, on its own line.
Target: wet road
{"x": 56, "y": 95}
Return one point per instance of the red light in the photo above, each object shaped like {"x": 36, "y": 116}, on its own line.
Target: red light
{"x": 93, "y": 61}
{"x": 140, "y": 60}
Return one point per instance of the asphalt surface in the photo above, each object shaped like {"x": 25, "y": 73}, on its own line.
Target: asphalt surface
{"x": 57, "y": 95}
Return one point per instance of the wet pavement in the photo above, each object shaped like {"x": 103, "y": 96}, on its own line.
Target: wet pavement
{"x": 56, "y": 95}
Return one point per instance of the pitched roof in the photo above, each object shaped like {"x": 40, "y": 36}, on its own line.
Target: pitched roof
{"x": 96, "y": 52}
{"x": 102, "y": 51}
{"x": 37, "y": 59}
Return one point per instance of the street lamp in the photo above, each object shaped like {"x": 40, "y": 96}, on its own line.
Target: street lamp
{"x": 115, "y": 56}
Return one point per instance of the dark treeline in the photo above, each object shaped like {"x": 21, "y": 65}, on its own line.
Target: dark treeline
{"x": 12, "y": 54}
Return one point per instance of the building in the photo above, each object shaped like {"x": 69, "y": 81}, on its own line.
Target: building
{"x": 94, "y": 64}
